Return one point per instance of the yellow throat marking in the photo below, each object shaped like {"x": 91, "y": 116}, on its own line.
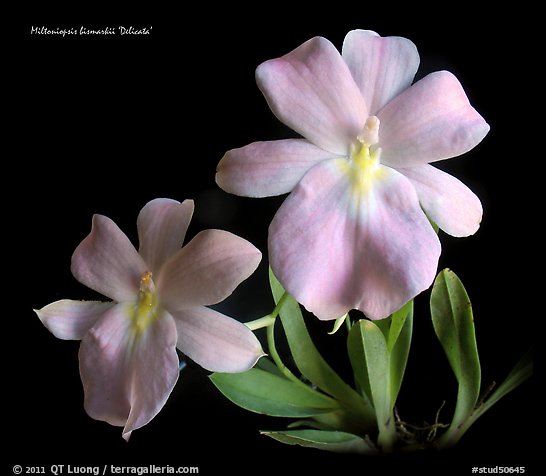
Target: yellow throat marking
{"x": 147, "y": 309}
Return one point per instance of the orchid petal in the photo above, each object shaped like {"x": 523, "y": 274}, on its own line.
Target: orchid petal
{"x": 215, "y": 341}
{"x": 381, "y": 67}
{"x": 70, "y": 320}
{"x": 430, "y": 121}
{"x": 155, "y": 373}
{"x": 265, "y": 169}
{"x": 338, "y": 244}
{"x": 311, "y": 90}
{"x": 127, "y": 376}
{"x": 447, "y": 201}
{"x": 107, "y": 262}
{"x": 162, "y": 226}
{"x": 206, "y": 270}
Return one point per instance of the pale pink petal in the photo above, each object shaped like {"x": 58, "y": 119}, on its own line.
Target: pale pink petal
{"x": 447, "y": 201}
{"x": 162, "y": 226}
{"x": 216, "y": 342}
{"x": 206, "y": 270}
{"x": 381, "y": 67}
{"x": 311, "y": 90}
{"x": 127, "y": 376}
{"x": 430, "y": 121}
{"x": 155, "y": 372}
{"x": 336, "y": 245}
{"x": 71, "y": 320}
{"x": 264, "y": 169}
{"x": 107, "y": 262}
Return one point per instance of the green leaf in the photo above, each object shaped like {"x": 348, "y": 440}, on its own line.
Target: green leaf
{"x": 311, "y": 364}
{"x": 262, "y": 392}
{"x": 453, "y": 323}
{"x": 399, "y": 343}
{"x": 397, "y": 329}
{"x": 336, "y": 441}
{"x": 370, "y": 358}
{"x": 519, "y": 374}
{"x": 357, "y": 356}
{"x": 267, "y": 365}
{"x": 338, "y": 323}
{"x": 398, "y": 319}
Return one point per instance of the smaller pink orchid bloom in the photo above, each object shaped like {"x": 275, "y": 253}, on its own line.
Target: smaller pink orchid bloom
{"x": 128, "y": 359}
{"x": 352, "y": 234}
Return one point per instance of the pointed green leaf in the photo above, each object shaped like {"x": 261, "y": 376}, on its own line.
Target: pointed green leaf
{"x": 399, "y": 345}
{"x": 309, "y": 361}
{"x": 336, "y": 441}
{"x": 357, "y": 356}
{"x": 453, "y": 322}
{"x": 266, "y": 364}
{"x": 262, "y": 392}
{"x": 398, "y": 319}
{"x": 367, "y": 340}
{"x": 519, "y": 374}
{"x": 397, "y": 329}
{"x": 338, "y": 323}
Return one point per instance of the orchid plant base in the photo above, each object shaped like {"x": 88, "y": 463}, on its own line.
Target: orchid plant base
{"x": 329, "y": 414}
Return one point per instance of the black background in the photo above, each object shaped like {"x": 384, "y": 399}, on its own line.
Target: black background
{"x": 104, "y": 124}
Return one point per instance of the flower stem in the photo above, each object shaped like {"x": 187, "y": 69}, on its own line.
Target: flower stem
{"x": 269, "y": 319}
{"x": 277, "y": 359}
{"x": 260, "y": 323}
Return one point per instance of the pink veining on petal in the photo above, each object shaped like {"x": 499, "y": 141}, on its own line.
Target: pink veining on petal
{"x": 107, "y": 262}
{"x": 335, "y": 248}
{"x": 448, "y": 201}
{"x": 216, "y": 342}
{"x": 127, "y": 377}
{"x": 381, "y": 67}
{"x": 155, "y": 371}
{"x": 312, "y": 91}
{"x": 430, "y": 121}
{"x": 265, "y": 169}
{"x": 70, "y": 320}
{"x": 206, "y": 270}
{"x": 162, "y": 226}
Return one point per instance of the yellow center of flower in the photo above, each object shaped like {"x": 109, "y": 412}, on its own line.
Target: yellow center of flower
{"x": 363, "y": 166}
{"x": 147, "y": 308}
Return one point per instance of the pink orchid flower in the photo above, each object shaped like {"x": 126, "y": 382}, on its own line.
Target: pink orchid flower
{"x": 128, "y": 359}
{"x": 352, "y": 234}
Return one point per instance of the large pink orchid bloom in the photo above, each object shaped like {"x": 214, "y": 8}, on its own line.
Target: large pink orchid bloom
{"x": 352, "y": 234}
{"x": 128, "y": 359}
